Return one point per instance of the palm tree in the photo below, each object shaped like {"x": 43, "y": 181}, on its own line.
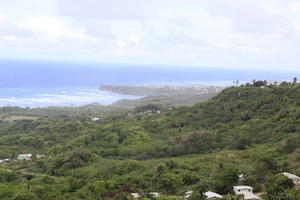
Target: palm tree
{"x": 28, "y": 177}
{"x": 295, "y": 80}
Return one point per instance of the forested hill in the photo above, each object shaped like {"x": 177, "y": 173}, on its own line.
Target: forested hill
{"x": 164, "y": 95}
{"x": 161, "y": 90}
{"x": 152, "y": 149}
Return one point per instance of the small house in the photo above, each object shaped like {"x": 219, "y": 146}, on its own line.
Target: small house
{"x": 213, "y": 195}
{"x": 1, "y": 161}
{"x": 24, "y": 157}
{"x": 95, "y": 119}
{"x": 138, "y": 196}
{"x": 246, "y": 192}
{"x": 293, "y": 177}
{"x": 209, "y": 195}
{"x": 135, "y": 195}
{"x": 154, "y": 194}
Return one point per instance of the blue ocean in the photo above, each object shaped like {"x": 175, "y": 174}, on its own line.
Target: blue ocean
{"x": 33, "y": 83}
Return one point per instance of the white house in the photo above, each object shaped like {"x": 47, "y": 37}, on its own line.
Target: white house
{"x": 95, "y": 119}
{"x": 1, "y": 161}
{"x": 209, "y": 195}
{"x": 154, "y": 194}
{"x": 293, "y": 177}
{"x": 135, "y": 195}
{"x": 24, "y": 157}
{"x": 246, "y": 191}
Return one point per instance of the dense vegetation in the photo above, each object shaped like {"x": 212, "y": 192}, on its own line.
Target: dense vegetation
{"x": 251, "y": 130}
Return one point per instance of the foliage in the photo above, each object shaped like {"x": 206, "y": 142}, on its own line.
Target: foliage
{"x": 198, "y": 192}
{"x": 226, "y": 180}
{"x": 280, "y": 187}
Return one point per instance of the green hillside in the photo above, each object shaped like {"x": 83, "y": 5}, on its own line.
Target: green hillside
{"x": 252, "y": 130}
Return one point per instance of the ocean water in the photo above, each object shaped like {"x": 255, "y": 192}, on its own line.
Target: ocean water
{"x": 29, "y": 83}
{"x": 56, "y": 96}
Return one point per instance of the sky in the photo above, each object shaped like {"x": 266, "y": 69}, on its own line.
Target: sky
{"x": 261, "y": 34}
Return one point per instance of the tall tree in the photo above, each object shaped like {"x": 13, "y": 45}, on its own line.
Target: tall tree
{"x": 226, "y": 180}
{"x": 199, "y": 192}
{"x": 295, "y": 80}
{"x": 28, "y": 178}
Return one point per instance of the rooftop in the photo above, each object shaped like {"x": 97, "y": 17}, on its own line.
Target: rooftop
{"x": 291, "y": 176}
{"x": 242, "y": 187}
{"x": 210, "y": 194}
{"x": 25, "y": 155}
{"x": 250, "y": 196}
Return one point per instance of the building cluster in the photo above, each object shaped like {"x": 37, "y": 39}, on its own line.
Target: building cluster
{"x": 244, "y": 191}
{"x": 24, "y": 157}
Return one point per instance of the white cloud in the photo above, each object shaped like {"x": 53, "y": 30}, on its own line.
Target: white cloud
{"x": 106, "y": 10}
{"x": 51, "y": 28}
{"x": 213, "y": 32}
